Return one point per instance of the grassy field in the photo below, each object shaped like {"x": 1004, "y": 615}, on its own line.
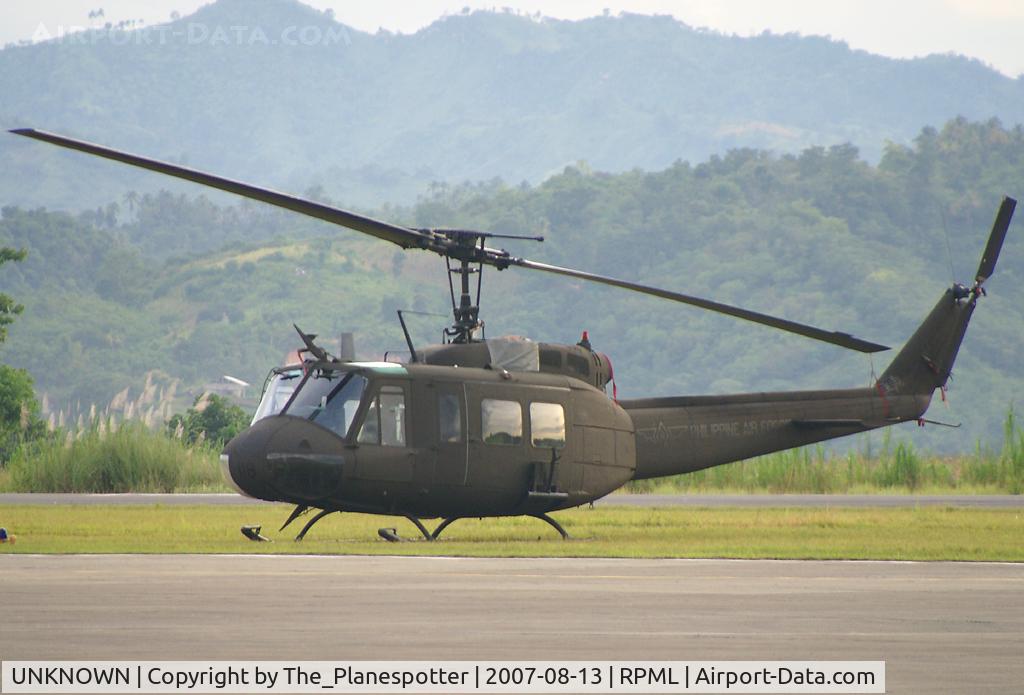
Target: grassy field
{"x": 932, "y": 533}
{"x": 136, "y": 459}
{"x": 132, "y": 458}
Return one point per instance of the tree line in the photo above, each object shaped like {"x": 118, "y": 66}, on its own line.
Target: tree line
{"x": 199, "y": 288}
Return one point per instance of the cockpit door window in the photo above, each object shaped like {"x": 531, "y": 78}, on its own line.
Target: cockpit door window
{"x": 449, "y": 418}
{"x": 385, "y": 418}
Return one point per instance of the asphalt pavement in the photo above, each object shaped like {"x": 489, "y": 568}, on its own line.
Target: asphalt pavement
{"x": 940, "y": 627}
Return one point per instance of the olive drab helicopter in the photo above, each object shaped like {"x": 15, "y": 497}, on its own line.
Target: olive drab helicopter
{"x": 479, "y": 427}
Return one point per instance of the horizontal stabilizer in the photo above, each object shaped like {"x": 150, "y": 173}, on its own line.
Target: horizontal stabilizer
{"x": 842, "y": 422}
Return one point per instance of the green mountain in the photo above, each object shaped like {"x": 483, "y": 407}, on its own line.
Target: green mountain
{"x": 276, "y": 92}
{"x": 198, "y": 289}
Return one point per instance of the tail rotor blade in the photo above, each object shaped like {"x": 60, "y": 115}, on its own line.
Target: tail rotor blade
{"x": 995, "y": 241}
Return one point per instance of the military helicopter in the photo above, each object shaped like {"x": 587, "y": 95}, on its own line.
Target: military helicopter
{"x": 478, "y": 427}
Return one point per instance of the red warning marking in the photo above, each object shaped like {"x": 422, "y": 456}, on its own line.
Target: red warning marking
{"x": 885, "y": 401}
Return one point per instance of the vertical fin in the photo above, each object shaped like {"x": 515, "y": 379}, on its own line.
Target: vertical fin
{"x": 926, "y": 361}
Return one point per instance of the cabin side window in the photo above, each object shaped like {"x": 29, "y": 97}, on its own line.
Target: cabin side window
{"x": 449, "y": 416}
{"x": 385, "y": 418}
{"x": 502, "y": 422}
{"x": 547, "y": 425}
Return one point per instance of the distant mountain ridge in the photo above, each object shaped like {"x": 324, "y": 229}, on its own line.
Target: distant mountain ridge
{"x": 279, "y": 93}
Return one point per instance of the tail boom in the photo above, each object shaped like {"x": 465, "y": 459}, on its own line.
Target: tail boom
{"x": 682, "y": 435}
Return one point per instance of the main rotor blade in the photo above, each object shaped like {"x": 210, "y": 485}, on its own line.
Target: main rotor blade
{"x": 995, "y": 240}
{"x": 834, "y": 337}
{"x": 402, "y": 236}
{"x": 453, "y": 246}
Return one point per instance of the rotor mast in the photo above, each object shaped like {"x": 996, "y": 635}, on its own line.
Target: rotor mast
{"x": 468, "y": 249}
{"x": 466, "y": 312}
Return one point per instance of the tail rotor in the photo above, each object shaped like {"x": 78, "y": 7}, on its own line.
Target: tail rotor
{"x": 995, "y": 244}
{"x": 926, "y": 361}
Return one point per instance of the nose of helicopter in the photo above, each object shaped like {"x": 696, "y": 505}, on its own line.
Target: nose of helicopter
{"x": 284, "y": 458}
{"x": 244, "y": 459}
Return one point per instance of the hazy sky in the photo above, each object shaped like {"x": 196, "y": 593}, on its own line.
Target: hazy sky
{"x": 990, "y": 30}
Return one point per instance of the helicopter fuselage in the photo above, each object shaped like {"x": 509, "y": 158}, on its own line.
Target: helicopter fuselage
{"x": 433, "y": 441}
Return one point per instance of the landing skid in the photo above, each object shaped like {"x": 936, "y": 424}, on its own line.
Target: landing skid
{"x": 543, "y": 517}
{"x": 392, "y": 536}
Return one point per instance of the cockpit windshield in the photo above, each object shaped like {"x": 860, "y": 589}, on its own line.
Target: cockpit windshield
{"x": 329, "y": 398}
{"x": 279, "y": 389}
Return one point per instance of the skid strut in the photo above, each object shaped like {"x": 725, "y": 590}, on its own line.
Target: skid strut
{"x": 299, "y": 510}
{"x": 423, "y": 529}
{"x": 444, "y": 524}
{"x": 309, "y": 524}
{"x": 557, "y": 526}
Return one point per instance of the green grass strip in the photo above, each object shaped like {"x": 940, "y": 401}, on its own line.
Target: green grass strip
{"x": 926, "y": 533}
{"x": 134, "y": 459}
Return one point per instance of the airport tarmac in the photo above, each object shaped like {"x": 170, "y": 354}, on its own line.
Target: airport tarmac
{"x": 940, "y": 627}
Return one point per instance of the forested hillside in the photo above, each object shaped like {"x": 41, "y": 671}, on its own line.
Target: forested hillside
{"x": 274, "y": 91}
{"x": 198, "y": 289}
